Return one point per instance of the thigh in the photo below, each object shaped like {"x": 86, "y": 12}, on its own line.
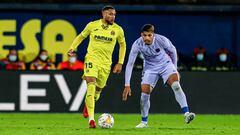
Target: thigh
{"x": 90, "y": 70}
{"x": 102, "y": 77}
{"x": 168, "y": 71}
{"x": 150, "y": 78}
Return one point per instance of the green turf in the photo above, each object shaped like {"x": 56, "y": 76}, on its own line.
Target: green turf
{"x": 74, "y": 124}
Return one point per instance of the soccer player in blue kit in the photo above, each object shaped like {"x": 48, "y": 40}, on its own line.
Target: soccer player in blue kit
{"x": 160, "y": 60}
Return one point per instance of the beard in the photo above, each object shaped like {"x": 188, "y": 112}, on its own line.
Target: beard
{"x": 147, "y": 42}
{"x": 109, "y": 22}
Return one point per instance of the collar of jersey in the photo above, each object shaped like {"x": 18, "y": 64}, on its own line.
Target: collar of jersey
{"x": 105, "y": 24}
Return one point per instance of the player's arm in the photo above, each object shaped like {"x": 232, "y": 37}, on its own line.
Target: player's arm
{"x": 122, "y": 52}
{"x": 128, "y": 72}
{"x": 78, "y": 40}
{"x": 171, "y": 50}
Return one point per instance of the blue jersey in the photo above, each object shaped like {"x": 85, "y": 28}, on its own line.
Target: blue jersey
{"x": 156, "y": 56}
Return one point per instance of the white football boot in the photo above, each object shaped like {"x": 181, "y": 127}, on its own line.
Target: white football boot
{"x": 188, "y": 117}
{"x": 142, "y": 125}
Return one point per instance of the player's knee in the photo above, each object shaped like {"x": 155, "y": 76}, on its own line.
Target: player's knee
{"x": 146, "y": 91}
{"x": 146, "y": 88}
{"x": 90, "y": 79}
{"x": 98, "y": 90}
{"x": 176, "y": 86}
{"x": 172, "y": 78}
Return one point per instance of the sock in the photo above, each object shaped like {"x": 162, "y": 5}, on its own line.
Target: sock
{"x": 185, "y": 110}
{"x": 97, "y": 95}
{"x": 89, "y": 100}
{"x": 180, "y": 96}
{"x": 145, "y": 105}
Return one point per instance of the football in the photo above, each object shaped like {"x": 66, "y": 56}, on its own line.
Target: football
{"x": 106, "y": 120}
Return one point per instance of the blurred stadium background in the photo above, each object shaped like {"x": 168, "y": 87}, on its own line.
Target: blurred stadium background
{"x": 211, "y": 27}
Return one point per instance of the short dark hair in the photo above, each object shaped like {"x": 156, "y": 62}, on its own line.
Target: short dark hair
{"x": 147, "y": 28}
{"x": 107, "y": 7}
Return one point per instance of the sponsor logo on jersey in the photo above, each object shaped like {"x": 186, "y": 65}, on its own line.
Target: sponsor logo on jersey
{"x": 103, "y": 38}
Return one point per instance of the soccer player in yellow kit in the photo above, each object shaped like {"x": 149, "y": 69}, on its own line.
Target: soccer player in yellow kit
{"x": 103, "y": 35}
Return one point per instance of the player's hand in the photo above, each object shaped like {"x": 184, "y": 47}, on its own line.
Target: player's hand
{"x": 117, "y": 68}
{"x": 70, "y": 52}
{"x": 126, "y": 93}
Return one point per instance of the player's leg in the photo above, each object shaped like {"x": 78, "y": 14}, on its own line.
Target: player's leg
{"x": 89, "y": 100}
{"x": 101, "y": 82}
{"x": 97, "y": 93}
{"x": 173, "y": 81}
{"x": 148, "y": 82}
{"x": 96, "y": 97}
{"x": 90, "y": 75}
{"x": 145, "y": 105}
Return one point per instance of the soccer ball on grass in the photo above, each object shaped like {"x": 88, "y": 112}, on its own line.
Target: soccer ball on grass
{"x": 106, "y": 120}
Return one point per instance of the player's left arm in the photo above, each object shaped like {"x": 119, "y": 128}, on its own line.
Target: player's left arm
{"x": 122, "y": 52}
{"x": 171, "y": 50}
{"x": 78, "y": 40}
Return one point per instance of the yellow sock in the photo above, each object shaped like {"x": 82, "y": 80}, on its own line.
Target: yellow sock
{"x": 89, "y": 100}
{"x": 97, "y": 95}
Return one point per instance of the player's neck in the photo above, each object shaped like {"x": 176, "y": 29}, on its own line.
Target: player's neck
{"x": 105, "y": 22}
{"x": 148, "y": 44}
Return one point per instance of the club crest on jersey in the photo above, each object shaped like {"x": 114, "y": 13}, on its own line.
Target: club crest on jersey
{"x": 112, "y": 33}
{"x": 157, "y": 50}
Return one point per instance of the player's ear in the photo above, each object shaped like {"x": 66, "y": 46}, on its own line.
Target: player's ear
{"x": 103, "y": 14}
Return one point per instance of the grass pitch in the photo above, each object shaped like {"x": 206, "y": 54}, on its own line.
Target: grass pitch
{"x": 75, "y": 124}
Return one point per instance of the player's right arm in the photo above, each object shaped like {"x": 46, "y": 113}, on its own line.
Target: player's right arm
{"x": 171, "y": 51}
{"x": 128, "y": 72}
{"x": 78, "y": 40}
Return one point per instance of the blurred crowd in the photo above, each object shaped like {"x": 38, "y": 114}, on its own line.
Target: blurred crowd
{"x": 42, "y": 62}
{"x": 223, "y": 60}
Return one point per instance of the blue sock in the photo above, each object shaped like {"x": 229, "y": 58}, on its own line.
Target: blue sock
{"x": 145, "y": 119}
{"x": 185, "y": 109}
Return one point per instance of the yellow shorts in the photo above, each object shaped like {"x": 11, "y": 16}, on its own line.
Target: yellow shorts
{"x": 101, "y": 74}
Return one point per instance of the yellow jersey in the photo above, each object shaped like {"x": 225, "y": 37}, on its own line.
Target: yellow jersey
{"x": 102, "y": 40}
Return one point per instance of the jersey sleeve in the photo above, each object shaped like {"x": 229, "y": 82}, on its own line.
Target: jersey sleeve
{"x": 122, "y": 52}
{"x": 78, "y": 40}
{"x": 121, "y": 37}
{"x": 131, "y": 59}
{"x": 171, "y": 51}
{"x": 87, "y": 30}
{"x": 122, "y": 46}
